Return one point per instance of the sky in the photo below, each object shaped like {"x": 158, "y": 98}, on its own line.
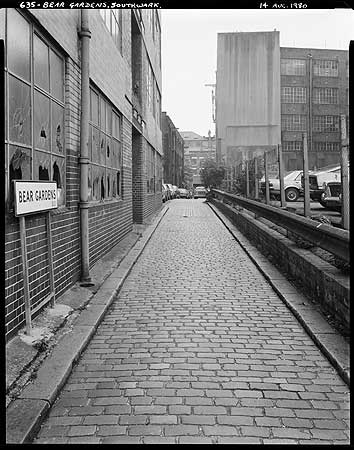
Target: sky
{"x": 189, "y": 47}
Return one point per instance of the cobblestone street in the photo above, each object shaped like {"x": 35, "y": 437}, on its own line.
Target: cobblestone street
{"x": 198, "y": 348}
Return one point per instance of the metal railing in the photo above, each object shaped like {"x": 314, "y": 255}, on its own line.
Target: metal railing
{"x": 333, "y": 240}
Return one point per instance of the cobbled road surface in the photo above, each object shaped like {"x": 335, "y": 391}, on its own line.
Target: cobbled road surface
{"x": 198, "y": 348}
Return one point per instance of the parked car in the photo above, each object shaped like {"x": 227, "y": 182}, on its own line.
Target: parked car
{"x": 168, "y": 191}
{"x": 331, "y": 198}
{"x": 170, "y": 188}
{"x": 292, "y": 186}
{"x": 175, "y": 189}
{"x": 319, "y": 178}
{"x": 182, "y": 193}
{"x": 165, "y": 193}
{"x": 200, "y": 192}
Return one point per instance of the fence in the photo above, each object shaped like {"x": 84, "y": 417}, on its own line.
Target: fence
{"x": 333, "y": 240}
{"x": 247, "y": 176}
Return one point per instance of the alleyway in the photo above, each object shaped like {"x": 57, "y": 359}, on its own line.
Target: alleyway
{"x": 198, "y": 348}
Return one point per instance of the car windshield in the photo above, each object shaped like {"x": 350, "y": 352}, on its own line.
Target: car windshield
{"x": 200, "y": 188}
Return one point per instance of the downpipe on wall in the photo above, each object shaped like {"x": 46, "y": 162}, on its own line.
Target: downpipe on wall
{"x": 85, "y": 36}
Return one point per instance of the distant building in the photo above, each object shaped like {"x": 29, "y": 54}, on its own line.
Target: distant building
{"x": 267, "y": 95}
{"x": 197, "y": 149}
{"x": 314, "y": 93}
{"x": 173, "y": 152}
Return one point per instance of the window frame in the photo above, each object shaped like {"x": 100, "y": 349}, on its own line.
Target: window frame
{"x": 293, "y": 94}
{"x": 150, "y": 164}
{"x": 292, "y": 146}
{"x": 285, "y": 65}
{"x": 320, "y": 69}
{"x": 321, "y": 96}
{"x": 105, "y": 133}
{"x": 326, "y": 124}
{"x": 326, "y": 146}
{"x": 115, "y": 17}
{"x": 287, "y": 119}
{"x": 30, "y": 150}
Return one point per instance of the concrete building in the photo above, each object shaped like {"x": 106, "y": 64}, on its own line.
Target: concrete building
{"x": 247, "y": 94}
{"x": 267, "y": 95}
{"x": 173, "y": 152}
{"x": 82, "y": 107}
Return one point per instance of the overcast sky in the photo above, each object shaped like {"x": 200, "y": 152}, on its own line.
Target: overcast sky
{"x": 189, "y": 41}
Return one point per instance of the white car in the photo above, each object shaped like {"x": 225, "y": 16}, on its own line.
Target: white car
{"x": 200, "y": 192}
{"x": 292, "y": 186}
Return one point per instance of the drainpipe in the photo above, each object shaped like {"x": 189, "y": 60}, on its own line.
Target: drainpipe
{"x": 85, "y": 36}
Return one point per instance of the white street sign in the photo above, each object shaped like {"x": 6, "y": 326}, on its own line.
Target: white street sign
{"x": 35, "y": 196}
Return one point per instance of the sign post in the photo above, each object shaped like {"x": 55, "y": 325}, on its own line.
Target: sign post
{"x": 33, "y": 197}
{"x": 26, "y": 292}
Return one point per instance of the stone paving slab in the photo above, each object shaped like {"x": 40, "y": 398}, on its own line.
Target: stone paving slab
{"x": 23, "y": 419}
{"x": 204, "y": 353}
{"x": 197, "y": 347}
{"x": 334, "y": 346}
{"x": 24, "y": 415}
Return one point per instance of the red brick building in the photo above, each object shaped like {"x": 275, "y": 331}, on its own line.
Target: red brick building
{"x": 44, "y": 112}
{"x": 314, "y": 94}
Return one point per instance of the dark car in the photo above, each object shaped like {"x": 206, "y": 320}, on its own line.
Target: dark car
{"x": 318, "y": 180}
{"x": 331, "y": 198}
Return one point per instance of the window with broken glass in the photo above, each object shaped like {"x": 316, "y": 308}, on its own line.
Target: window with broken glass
{"x": 325, "y": 123}
{"x": 112, "y": 19}
{"x": 293, "y": 122}
{"x": 150, "y": 170}
{"x": 34, "y": 78}
{"x": 105, "y": 149}
{"x": 324, "y": 68}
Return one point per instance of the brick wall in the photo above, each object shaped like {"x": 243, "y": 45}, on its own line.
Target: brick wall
{"x": 144, "y": 204}
{"x": 65, "y": 228}
{"x": 109, "y": 220}
{"x": 138, "y": 181}
{"x": 316, "y": 159}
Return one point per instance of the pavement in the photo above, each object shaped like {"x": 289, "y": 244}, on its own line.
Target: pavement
{"x": 189, "y": 335}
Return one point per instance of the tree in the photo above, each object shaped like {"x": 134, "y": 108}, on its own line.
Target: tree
{"x": 212, "y": 174}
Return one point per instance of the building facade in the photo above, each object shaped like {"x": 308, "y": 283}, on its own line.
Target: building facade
{"x": 268, "y": 95}
{"x": 314, "y": 94}
{"x": 173, "y": 152}
{"x": 44, "y": 74}
{"x": 247, "y": 94}
{"x": 197, "y": 149}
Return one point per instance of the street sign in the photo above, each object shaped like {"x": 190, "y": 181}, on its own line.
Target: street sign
{"x": 34, "y": 196}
